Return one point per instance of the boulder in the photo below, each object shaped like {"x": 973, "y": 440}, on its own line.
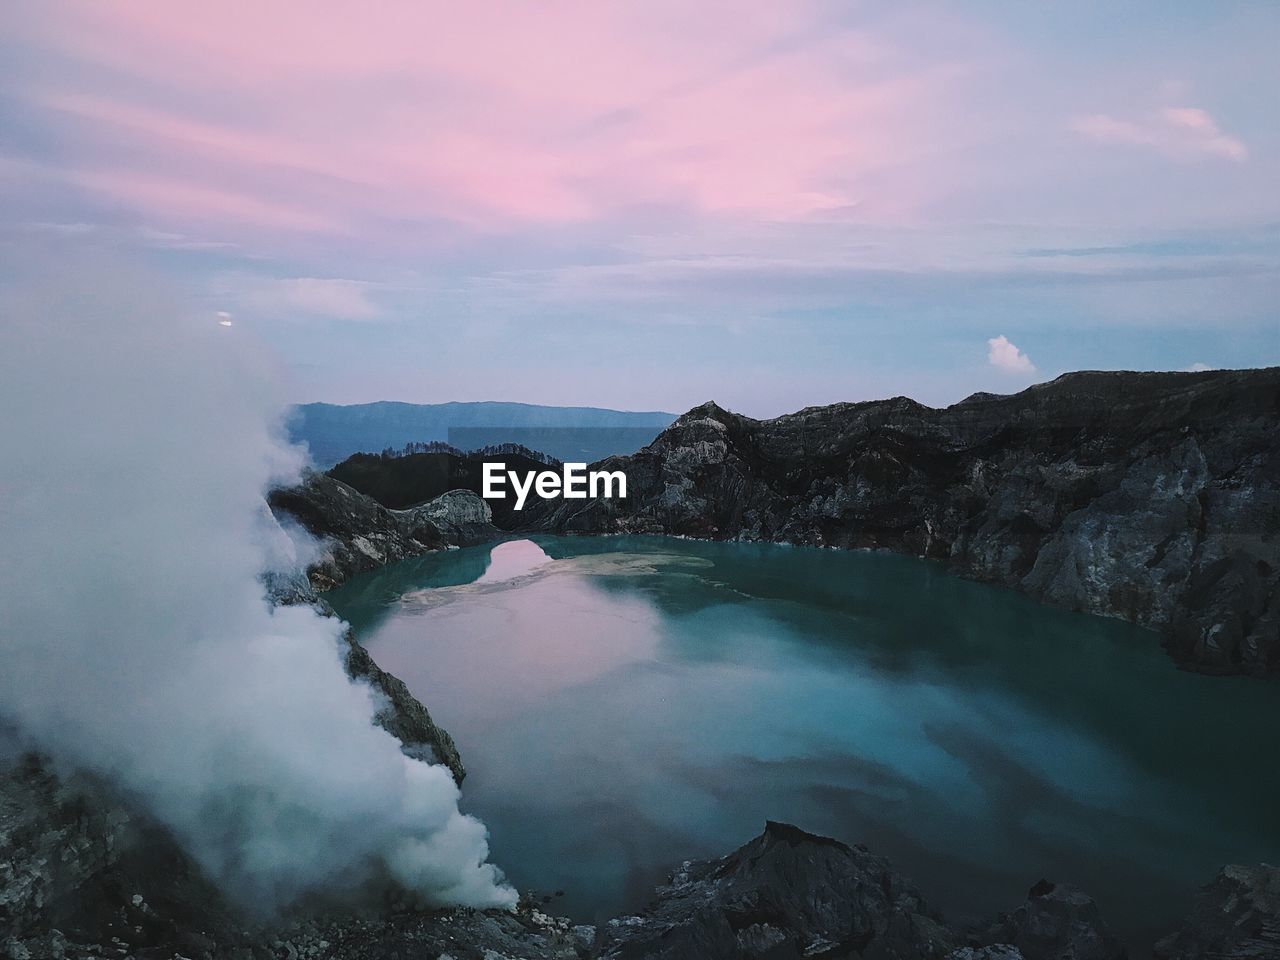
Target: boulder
{"x": 1057, "y": 922}
{"x": 1235, "y": 917}
{"x": 462, "y": 517}
{"x": 785, "y": 894}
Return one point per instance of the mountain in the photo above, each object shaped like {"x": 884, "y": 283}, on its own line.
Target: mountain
{"x": 577, "y": 434}
{"x": 1154, "y": 497}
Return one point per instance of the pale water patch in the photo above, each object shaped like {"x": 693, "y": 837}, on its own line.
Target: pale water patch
{"x": 512, "y": 559}
{"x": 623, "y": 704}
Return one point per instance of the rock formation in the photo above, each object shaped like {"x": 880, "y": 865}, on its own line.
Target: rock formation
{"x": 786, "y": 894}
{"x": 462, "y": 517}
{"x": 1154, "y": 497}
{"x": 357, "y": 534}
{"x": 1058, "y": 921}
{"x": 1235, "y": 917}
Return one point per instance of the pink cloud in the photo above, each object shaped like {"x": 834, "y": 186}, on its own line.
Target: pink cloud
{"x": 1176, "y": 131}
{"x": 292, "y": 116}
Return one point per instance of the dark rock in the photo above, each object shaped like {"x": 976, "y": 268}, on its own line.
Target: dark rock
{"x": 460, "y": 934}
{"x": 404, "y": 716}
{"x": 84, "y": 874}
{"x": 355, "y": 532}
{"x": 997, "y": 951}
{"x": 79, "y": 865}
{"x": 1057, "y": 922}
{"x": 1235, "y": 917}
{"x": 357, "y": 535}
{"x": 462, "y": 517}
{"x": 785, "y": 894}
{"x": 1154, "y": 497}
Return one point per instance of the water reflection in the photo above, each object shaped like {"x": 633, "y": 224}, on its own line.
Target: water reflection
{"x": 632, "y": 702}
{"x": 512, "y": 559}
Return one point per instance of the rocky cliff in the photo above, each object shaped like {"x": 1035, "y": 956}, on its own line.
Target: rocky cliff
{"x": 1154, "y": 497}
{"x": 357, "y": 534}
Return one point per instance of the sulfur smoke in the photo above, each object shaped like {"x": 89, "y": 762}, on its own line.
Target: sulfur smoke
{"x": 136, "y": 445}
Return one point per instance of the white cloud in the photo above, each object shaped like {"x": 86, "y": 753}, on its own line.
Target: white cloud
{"x": 1007, "y": 357}
{"x": 1197, "y": 367}
{"x": 1174, "y": 131}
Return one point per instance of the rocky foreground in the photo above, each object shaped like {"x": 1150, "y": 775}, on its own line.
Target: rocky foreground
{"x": 84, "y": 872}
{"x": 1154, "y": 497}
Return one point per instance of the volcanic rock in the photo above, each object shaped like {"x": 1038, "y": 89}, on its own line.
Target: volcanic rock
{"x": 1154, "y": 497}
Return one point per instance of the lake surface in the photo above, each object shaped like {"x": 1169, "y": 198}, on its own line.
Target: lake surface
{"x": 622, "y": 704}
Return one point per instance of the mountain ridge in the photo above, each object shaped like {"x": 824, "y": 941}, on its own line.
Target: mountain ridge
{"x": 1153, "y": 497}
{"x": 334, "y": 432}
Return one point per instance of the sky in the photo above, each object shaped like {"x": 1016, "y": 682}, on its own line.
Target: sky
{"x": 649, "y": 205}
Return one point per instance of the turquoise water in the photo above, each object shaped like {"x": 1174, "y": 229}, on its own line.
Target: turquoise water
{"x": 622, "y": 704}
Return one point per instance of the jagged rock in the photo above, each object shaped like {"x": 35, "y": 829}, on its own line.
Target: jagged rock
{"x": 1057, "y": 922}
{"x": 1149, "y": 496}
{"x": 1236, "y": 917}
{"x": 462, "y": 517}
{"x": 787, "y": 893}
{"x": 84, "y": 874}
{"x": 328, "y": 510}
{"x": 79, "y": 865}
{"x": 462, "y": 934}
{"x": 404, "y": 716}
{"x": 355, "y": 532}
{"x": 997, "y": 951}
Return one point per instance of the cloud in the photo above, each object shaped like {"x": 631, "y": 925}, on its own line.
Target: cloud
{"x": 329, "y": 297}
{"x": 1198, "y": 367}
{"x": 1174, "y": 131}
{"x": 1007, "y": 357}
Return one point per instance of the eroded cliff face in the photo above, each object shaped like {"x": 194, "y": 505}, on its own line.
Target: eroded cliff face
{"x": 1154, "y": 497}
{"x": 356, "y": 534}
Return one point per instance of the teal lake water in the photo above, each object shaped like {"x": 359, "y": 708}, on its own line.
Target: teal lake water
{"x": 623, "y": 704}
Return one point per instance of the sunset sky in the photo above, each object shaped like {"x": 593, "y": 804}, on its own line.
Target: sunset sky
{"x": 647, "y": 205}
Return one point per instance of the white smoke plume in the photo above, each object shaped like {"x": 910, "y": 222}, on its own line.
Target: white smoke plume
{"x": 136, "y": 444}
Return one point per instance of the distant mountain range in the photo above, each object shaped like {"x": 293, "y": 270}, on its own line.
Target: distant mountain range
{"x": 579, "y": 434}
{"x": 410, "y": 479}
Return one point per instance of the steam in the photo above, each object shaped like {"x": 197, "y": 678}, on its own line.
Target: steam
{"x": 135, "y": 640}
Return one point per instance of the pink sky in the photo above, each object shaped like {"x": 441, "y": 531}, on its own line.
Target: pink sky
{"x": 716, "y": 173}
{"x": 296, "y": 116}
